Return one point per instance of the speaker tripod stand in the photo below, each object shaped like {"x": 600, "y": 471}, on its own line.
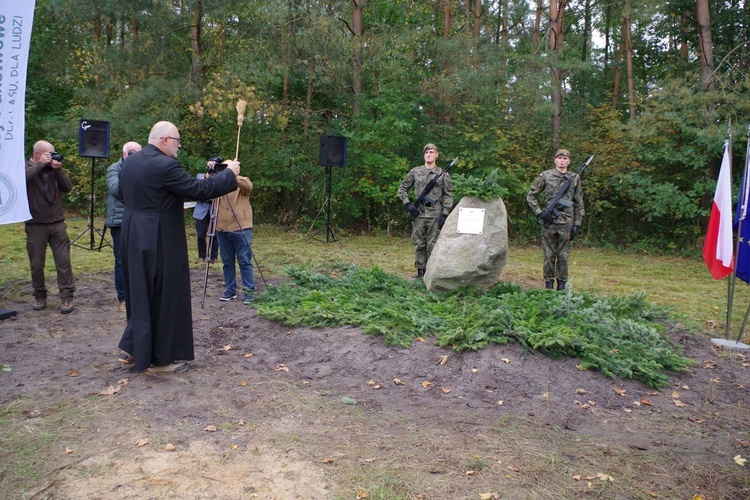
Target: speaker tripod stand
{"x": 91, "y": 229}
{"x": 329, "y": 232}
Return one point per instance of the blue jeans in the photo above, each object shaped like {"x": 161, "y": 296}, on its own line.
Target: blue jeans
{"x": 117, "y": 247}
{"x": 233, "y": 245}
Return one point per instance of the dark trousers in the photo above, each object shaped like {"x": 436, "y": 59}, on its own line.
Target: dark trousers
{"x": 38, "y": 236}
{"x": 117, "y": 247}
{"x": 201, "y": 227}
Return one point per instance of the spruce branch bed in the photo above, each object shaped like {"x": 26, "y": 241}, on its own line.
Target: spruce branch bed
{"x": 619, "y": 336}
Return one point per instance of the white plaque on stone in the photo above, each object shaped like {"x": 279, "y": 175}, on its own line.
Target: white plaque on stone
{"x": 470, "y": 220}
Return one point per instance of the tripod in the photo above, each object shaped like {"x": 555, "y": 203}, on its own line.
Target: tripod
{"x": 91, "y": 229}
{"x": 215, "y": 204}
{"x": 330, "y": 234}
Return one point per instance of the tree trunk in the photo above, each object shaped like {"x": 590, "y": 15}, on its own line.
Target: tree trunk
{"x": 708, "y": 79}
{"x": 629, "y": 59}
{"x": 556, "y": 16}
{"x": 197, "y": 68}
{"x": 586, "y": 45}
{"x": 618, "y": 68}
{"x": 537, "y": 27}
{"x": 357, "y": 29}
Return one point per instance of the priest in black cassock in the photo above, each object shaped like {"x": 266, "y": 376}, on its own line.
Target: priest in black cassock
{"x": 159, "y": 335}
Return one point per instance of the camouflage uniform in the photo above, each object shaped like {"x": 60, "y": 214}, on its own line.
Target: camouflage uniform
{"x": 556, "y": 236}
{"x": 425, "y": 231}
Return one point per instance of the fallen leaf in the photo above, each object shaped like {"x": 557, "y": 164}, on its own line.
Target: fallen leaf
{"x": 679, "y": 403}
{"x": 242, "y": 384}
{"x": 675, "y": 395}
{"x": 305, "y": 382}
{"x": 362, "y": 494}
{"x": 620, "y": 391}
{"x": 141, "y": 442}
{"x": 581, "y": 391}
{"x": 397, "y": 381}
{"x": 370, "y": 382}
{"x": 636, "y": 403}
{"x": 471, "y": 473}
{"x": 501, "y": 402}
{"x": 376, "y": 387}
{"x": 248, "y": 355}
{"x": 488, "y": 496}
{"x": 591, "y": 403}
{"x": 73, "y": 373}
{"x": 695, "y": 419}
{"x": 744, "y": 444}
{"x": 505, "y": 360}
{"x": 327, "y": 461}
{"x": 514, "y": 469}
{"x": 234, "y": 447}
{"x": 210, "y": 428}
{"x": 123, "y": 381}
{"x": 545, "y": 394}
{"x": 708, "y": 364}
{"x": 627, "y": 410}
{"x": 580, "y": 367}
{"x": 69, "y": 451}
{"x": 227, "y": 348}
{"x": 420, "y": 339}
{"x": 169, "y": 447}
{"x": 241, "y": 422}
{"x": 443, "y": 359}
{"x": 739, "y": 460}
{"x": 109, "y": 391}
{"x": 282, "y": 368}
{"x": 604, "y": 477}
{"x": 474, "y": 370}
{"x": 646, "y": 402}
{"x": 446, "y": 390}
{"x": 426, "y": 383}
{"x": 289, "y": 332}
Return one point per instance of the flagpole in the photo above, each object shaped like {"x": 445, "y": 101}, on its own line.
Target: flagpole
{"x": 733, "y": 276}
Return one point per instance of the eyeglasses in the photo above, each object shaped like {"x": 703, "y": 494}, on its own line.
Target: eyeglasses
{"x": 179, "y": 141}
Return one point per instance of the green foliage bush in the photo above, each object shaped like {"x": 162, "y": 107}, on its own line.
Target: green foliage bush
{"x": 620, "y": 336}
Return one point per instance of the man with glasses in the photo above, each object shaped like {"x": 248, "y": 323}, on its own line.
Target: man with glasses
{"x": 158, "y": 337}
{"x": 557, "y": 232}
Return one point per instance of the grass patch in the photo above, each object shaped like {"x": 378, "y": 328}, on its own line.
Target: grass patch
{"x": 617, "y": 335}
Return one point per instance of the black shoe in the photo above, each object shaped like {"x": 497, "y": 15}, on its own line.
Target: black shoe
{"x": 560, "y": 285}
{"x": 549, "y": 284}
{"x": 420, "y": 273}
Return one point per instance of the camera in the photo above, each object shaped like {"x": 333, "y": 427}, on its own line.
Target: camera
{"x": 56, "y": 156}
{"x": 219, "y": 164}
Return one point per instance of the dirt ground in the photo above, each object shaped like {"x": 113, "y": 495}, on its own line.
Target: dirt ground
{"x": 274, "y": 412}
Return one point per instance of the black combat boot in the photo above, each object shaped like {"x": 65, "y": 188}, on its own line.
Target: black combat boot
{"x": 549, "y": 284}
{"x": 420, "y": 273}
{"x": 560, "y": 285}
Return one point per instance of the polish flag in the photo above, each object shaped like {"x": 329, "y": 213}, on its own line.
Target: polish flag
{"x": 717, "y": 250}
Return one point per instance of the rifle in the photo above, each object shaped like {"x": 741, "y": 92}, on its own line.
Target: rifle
{"x": 550, "y": 212}
{"x": 424, "y": 196}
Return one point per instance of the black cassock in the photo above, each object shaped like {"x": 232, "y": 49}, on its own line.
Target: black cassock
{"x": 155, "y": 254}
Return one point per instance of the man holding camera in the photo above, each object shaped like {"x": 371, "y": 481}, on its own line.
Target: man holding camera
{"x": 45, "y": 183}
{"x": 202, "y": 216}
{"x": 234, "y": 230}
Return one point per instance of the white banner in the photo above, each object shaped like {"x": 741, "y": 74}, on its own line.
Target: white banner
{"x": 16, "y": 19}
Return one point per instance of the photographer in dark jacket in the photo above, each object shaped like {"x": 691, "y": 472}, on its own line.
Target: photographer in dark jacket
{"x": 45, "y": 183}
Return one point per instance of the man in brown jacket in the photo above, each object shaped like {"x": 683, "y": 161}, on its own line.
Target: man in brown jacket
{"x": 234, "y": 231}
{"x": 46, "y": 181}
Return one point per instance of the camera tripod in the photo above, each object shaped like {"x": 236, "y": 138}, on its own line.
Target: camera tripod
{"x": 215, "y": 204}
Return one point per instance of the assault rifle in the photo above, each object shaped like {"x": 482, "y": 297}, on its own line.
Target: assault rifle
{"x": 425, "y": 194}
{"x": 550, "y": 213}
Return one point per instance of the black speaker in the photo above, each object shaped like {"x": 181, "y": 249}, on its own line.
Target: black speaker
{"x": 93, "y": 139}
{"x": 332, "y": 151}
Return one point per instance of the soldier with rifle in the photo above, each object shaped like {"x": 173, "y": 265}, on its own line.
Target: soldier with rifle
{"x": 561, "y": 218}
{"x": 434, "y": 201}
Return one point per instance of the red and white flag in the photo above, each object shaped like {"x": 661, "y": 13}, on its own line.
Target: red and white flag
{"x": 717, "y": 250}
